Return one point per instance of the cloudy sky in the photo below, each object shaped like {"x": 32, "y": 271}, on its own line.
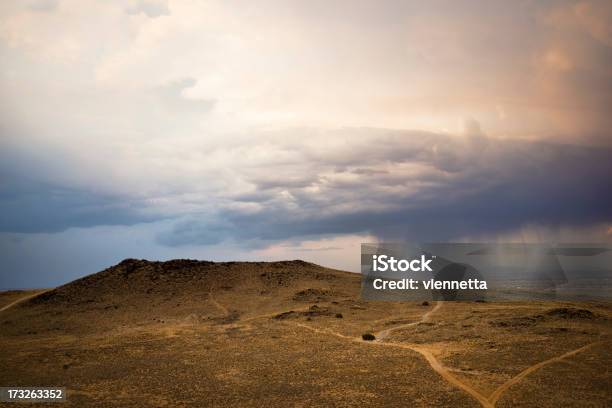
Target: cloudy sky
{"x": 296, "y": 129}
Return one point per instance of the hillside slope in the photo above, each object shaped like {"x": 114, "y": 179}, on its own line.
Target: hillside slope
{"x": 140, "y": 291}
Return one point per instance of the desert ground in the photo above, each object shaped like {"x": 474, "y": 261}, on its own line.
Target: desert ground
{"x": 195, "y": 333}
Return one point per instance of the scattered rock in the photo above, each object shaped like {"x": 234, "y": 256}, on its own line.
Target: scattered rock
{"x": 425, "y": 303}
{"x": 312, "y": 294}
{"x": 523, "y": 321}
{"x": 313, "y": 311}
{"x": 560, "y": 312}
{"x": 571, "y": 313}
{"x": 394, "y": 322}
{"x": 285, "y": 315}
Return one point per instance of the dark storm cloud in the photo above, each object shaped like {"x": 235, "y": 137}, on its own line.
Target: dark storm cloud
{"x": 28, "y": 206}
{"x": 393, "y": 184}
{"x": 31, "y": 202}
{"x": 462, "y": 187}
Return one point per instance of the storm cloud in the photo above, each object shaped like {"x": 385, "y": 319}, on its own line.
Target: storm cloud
{"x": 290, "y": 128}
{"x": 415, "y": 185}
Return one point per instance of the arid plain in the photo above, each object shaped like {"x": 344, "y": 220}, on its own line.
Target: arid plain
{"x": 191, "y": 333}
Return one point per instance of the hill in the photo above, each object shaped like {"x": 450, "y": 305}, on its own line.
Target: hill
{"x": 140, "y": 291}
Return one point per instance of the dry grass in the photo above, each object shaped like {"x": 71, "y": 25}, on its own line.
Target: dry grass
{"x": 186, "y": 333}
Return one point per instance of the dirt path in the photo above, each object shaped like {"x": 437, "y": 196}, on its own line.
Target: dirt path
{"x": 437, "y": 366}
{"x": 328, "y": 332}
{"x": 218, "y": 305}
{"x": 446, "y": 374}
{"x": 23, "y": 299}
{"x": 429, "y": 357}
{"x": 493, "y": 398}
{"x": 381, "y": 335}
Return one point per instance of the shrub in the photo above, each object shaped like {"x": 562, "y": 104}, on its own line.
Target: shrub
{"x": 368, "y": 337}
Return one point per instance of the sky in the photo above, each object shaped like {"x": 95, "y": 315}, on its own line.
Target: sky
{"x": 288, "y": 129}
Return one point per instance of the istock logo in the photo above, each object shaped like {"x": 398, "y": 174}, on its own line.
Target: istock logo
{"x": 383, "y": 263}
